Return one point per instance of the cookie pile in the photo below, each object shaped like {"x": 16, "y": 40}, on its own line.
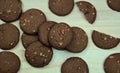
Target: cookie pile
{"x": 41, "y": 35}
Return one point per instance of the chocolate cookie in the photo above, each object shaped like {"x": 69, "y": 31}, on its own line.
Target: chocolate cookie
{"x": 74, "y": 65}
{"x": 38, "y": 55}
{"x": 114, "y": 4}
{"x": 31, "y": 20}
{"x": 112, "y": 63}
{"x": 28, "y": 39}
{"x": 88, "y": 9}
{"x": 9, "y": 62}
{"x": 44, "y": 30}
{"x": 79, "y": 41}
{"x": 104, "y": 41}
{"x": 60, "y": 36}
{"x": 9, "y": 36}
{"x": 61, "y": 7}
{"x": 10, "y": 10}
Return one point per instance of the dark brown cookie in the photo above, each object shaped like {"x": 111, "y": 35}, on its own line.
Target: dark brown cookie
{"x": 114, "y": 4}
{"x": 61, "y": 7}
{"x": 28, "y": 39}
{"x": 74, "y": 65}
{"x": 9, "y": 36}
{"x": 104, "y": 41}
{"x": 31, "y": 20}
{"x": 9, "y": 62}
{"x": 88, "y": 9}
{"x": 60, "y": 36}
{"x": 112, "y": 63}
{"x": 44, "y": 30}
{"x": 10, "y": 10}
{"x": 38, "y": 55}
{"x": 79, "y": 41}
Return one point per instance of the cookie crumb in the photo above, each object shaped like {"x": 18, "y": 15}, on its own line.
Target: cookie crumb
{"x": 93, "y": 13}
{"x": 60, "y": 43}
{"x": 45, "y": 60}
{"x": 0, "y": 12}
{"x": 41, "y": 14}
{"x": 8, "y": 11}
{"x": 35, "y": 53}
{"x": 80, "y": 3}
{"x": 48, "y": 50}
{"x": 63, "y": 31}
{"x": 12, "y": 43}
{"x": 109, "y": 1}
{"x": 118, "y": 61}
{"x": 31, "y": 16}
{"x": 15, "y": 12}
{"x": 48, "y": 28}
{"x": 41, "y": 54}
{"x": 111, "y": 57}
{"x": 32, "y": 60}
{"x": 33, "y": 30}
{"x": 105, "y": 38}
{"x": 79, "y": 68}
{"x": 111, "y": 37}
{"x": 51, "y": 37}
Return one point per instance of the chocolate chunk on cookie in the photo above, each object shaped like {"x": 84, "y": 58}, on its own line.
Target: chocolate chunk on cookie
{"x": 31, "y": 20}
{"x": 28, "y": 39}
{"x": 114, "y": 4}
{"x": 104, "y": 41}
{"x": 10, "y": 10}
{"x": 38, "y": 55}
{"x": 112, "y": 63}
{"x": 9, "y": 62}
{"x": 74, "y": 65}
{"x": 60, "y": 36}
{"x": 44, "y": 30}
{"x": 9, "y": 36}
{"x": 79, "y": 41}
{"x": 88, "y": 9}
{"x": 61, "y": 7}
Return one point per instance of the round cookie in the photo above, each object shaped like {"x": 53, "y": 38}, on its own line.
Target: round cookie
{"x": 112, "y": 63}
{"x": 104, "y": 41}
{"x": 9, "y": 36}
{"x": 9, "y": 62}
{"x": 28, "y": 39}
{"x": 38, "y": 55}
{"x": 88, "y": 9}
{"x": 44, "y": 30}
{"x": 31, "y": 20}
{"x": 61, "y": 7}
{"x": 114, "y": 4}
{"x": 74, "y": 65}
{"x": 10, "y": 10}
{"x": 79, "y": 41}
{"x": 60, "y": 36}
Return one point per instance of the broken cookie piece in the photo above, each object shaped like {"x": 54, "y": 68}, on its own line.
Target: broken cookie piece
{"x": 88, "y": 9}
{"x": 104, "y": 41}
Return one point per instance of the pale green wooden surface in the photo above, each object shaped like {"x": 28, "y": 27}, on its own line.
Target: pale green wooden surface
{"x": 108, "y": 21}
